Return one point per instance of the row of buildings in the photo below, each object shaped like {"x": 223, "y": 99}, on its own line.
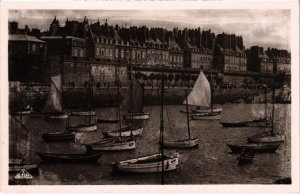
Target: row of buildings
{"x": 83, "y": 50}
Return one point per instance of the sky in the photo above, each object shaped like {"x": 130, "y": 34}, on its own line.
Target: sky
{"x": 263, "y": 27}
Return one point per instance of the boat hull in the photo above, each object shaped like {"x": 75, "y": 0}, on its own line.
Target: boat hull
{"x": 187, "y": 143}
{"x": 31, "y": 168}
{"x": 253, "y": 147}
{"x": 82, "y": 113}
{"x": 125, "y": 132}
{"x": 111, "y": 146}
{"x": 83, "y": 127}
{"x": 59, "y": 136}
{"x": 254, "y": 123}
{"x": 206, "y": 116}
{"x": 208, "y": 110}
{"x": 85, "y": 157}
{"x": 136, "y": 116}
{"x": 147, "y": 164}
{"x": 269, "y": 139}
{"x": 56, "y": 116}
{"x": 107, "y": 120}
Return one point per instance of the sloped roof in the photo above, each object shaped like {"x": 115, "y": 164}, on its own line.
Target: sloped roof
{"x": 23, "y": 37}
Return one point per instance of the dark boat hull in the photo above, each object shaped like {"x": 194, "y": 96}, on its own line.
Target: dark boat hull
{"x": 59, "y": 136}
{"x": 33, "y": 169}
{"x": 254, "y": 123}
{"x": 74, "y": 158}
{"x": 107, "y": 120}
{"x": 254, "y": 148}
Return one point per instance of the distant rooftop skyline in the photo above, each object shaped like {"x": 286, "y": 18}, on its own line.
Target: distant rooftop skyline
{"x": 263, "y": 27}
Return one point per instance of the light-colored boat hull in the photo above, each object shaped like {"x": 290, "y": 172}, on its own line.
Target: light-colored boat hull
{"x": 188, "y": 143}
{"x": 138, "y": 116}
{"x": 208, "y": 110}
{"x": 134, "y": 166}
{"x": 124, "y": 133}
{"x": 60, "y": 116}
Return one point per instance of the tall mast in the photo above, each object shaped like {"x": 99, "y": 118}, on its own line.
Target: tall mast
{"x": 273, "y": 106}
{"x": 187, "y": 114}
{"x": 162, "y": 124}
{"x": 211, "y": 93}
{"x": 90, "y": 92}
{"x": 119, "y": 97}
{"x": 266, "y": 103}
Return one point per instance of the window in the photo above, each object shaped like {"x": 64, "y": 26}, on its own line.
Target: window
{"x": 97, "y": 51}
{"x": 122, "y": 54}
{"x": 75, "y": 52}
{"x": 133, "y": 54}
{"x": 110, "y": 52}
{"x": 81, "y": 52}
{"x": 106, "y": 52}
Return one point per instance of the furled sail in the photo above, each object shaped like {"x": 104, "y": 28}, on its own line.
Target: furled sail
{"x": 133, "y": 100}
{"x": 54, "y": 101}
{"x": 201, "y": 93}
{"x": 18, "y": 139}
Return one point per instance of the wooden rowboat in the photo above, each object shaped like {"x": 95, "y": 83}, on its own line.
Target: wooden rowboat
{"x": 127, "y": 131}
{"x": 85, "y": 127}
{"x": 82, "y": 157}
{"x": 253, "y": 123}
{"x": 56, "y": 116}
{"x": 147, "y": 164}
{"x": 59, "y": 136}
{"x": 109, "y": 120}
{"x": 257, "y": 148}
{"x": 185, "y": 143}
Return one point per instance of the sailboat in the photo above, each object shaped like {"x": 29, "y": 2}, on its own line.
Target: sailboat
{"x": 89, "y": 126}
{"x": 134, "y": 102}
{"x": 159, "y": 162}
{"x": 268, "y": 136}
{"x": 201, "y": 96}
{"x": 18, "y": 147}
{"x": 262, "y": 122}
{"x": 53, "y": 107}
{"x": 184, "y": 143}
{"x": 126, "y": 131}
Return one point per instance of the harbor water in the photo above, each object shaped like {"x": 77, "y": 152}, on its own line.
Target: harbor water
{"x": 211, "y": 163}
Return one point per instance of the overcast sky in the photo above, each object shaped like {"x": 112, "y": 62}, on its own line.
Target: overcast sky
{"x": 267, "y": 28}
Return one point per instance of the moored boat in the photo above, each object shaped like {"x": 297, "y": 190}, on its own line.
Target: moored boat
{"x": 207, "y": 116}
{"x": 136, "y": 116}
{"x": 257, "y": 148}
{"x": 266, "y": 137}
{"x": 207, "y": 110}
{"x": 253, "y": 123}
{"x": 108, "y": 120}
{"x": 148, "y": 164}
{"x": 82, "y": 113}
{"x": 59, "y": 136}
{"x": 83, "y": 127}
{"x": 111, "y": 144}
{"x": 78, "y": 157}
{"x": 126, "y": 131}
{"x": 183, "y": 143}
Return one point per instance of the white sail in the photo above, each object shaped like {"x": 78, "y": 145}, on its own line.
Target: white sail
{"x": 54, "y": 101}
{"x": 200, "y": 94}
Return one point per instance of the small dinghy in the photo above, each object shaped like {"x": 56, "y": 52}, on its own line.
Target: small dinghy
{"x": 59, "y": 136}
{"x": 184, "y": 143}
{"x": 136, "y": 116}
{"x": 126, "y": 131}
{"x": 83, "y": 127}
{"x": 82, "y": 157}
{"x": 111, "y": 144}
{"x": 256, "y": 148}
{"x": 148, "y": 164}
